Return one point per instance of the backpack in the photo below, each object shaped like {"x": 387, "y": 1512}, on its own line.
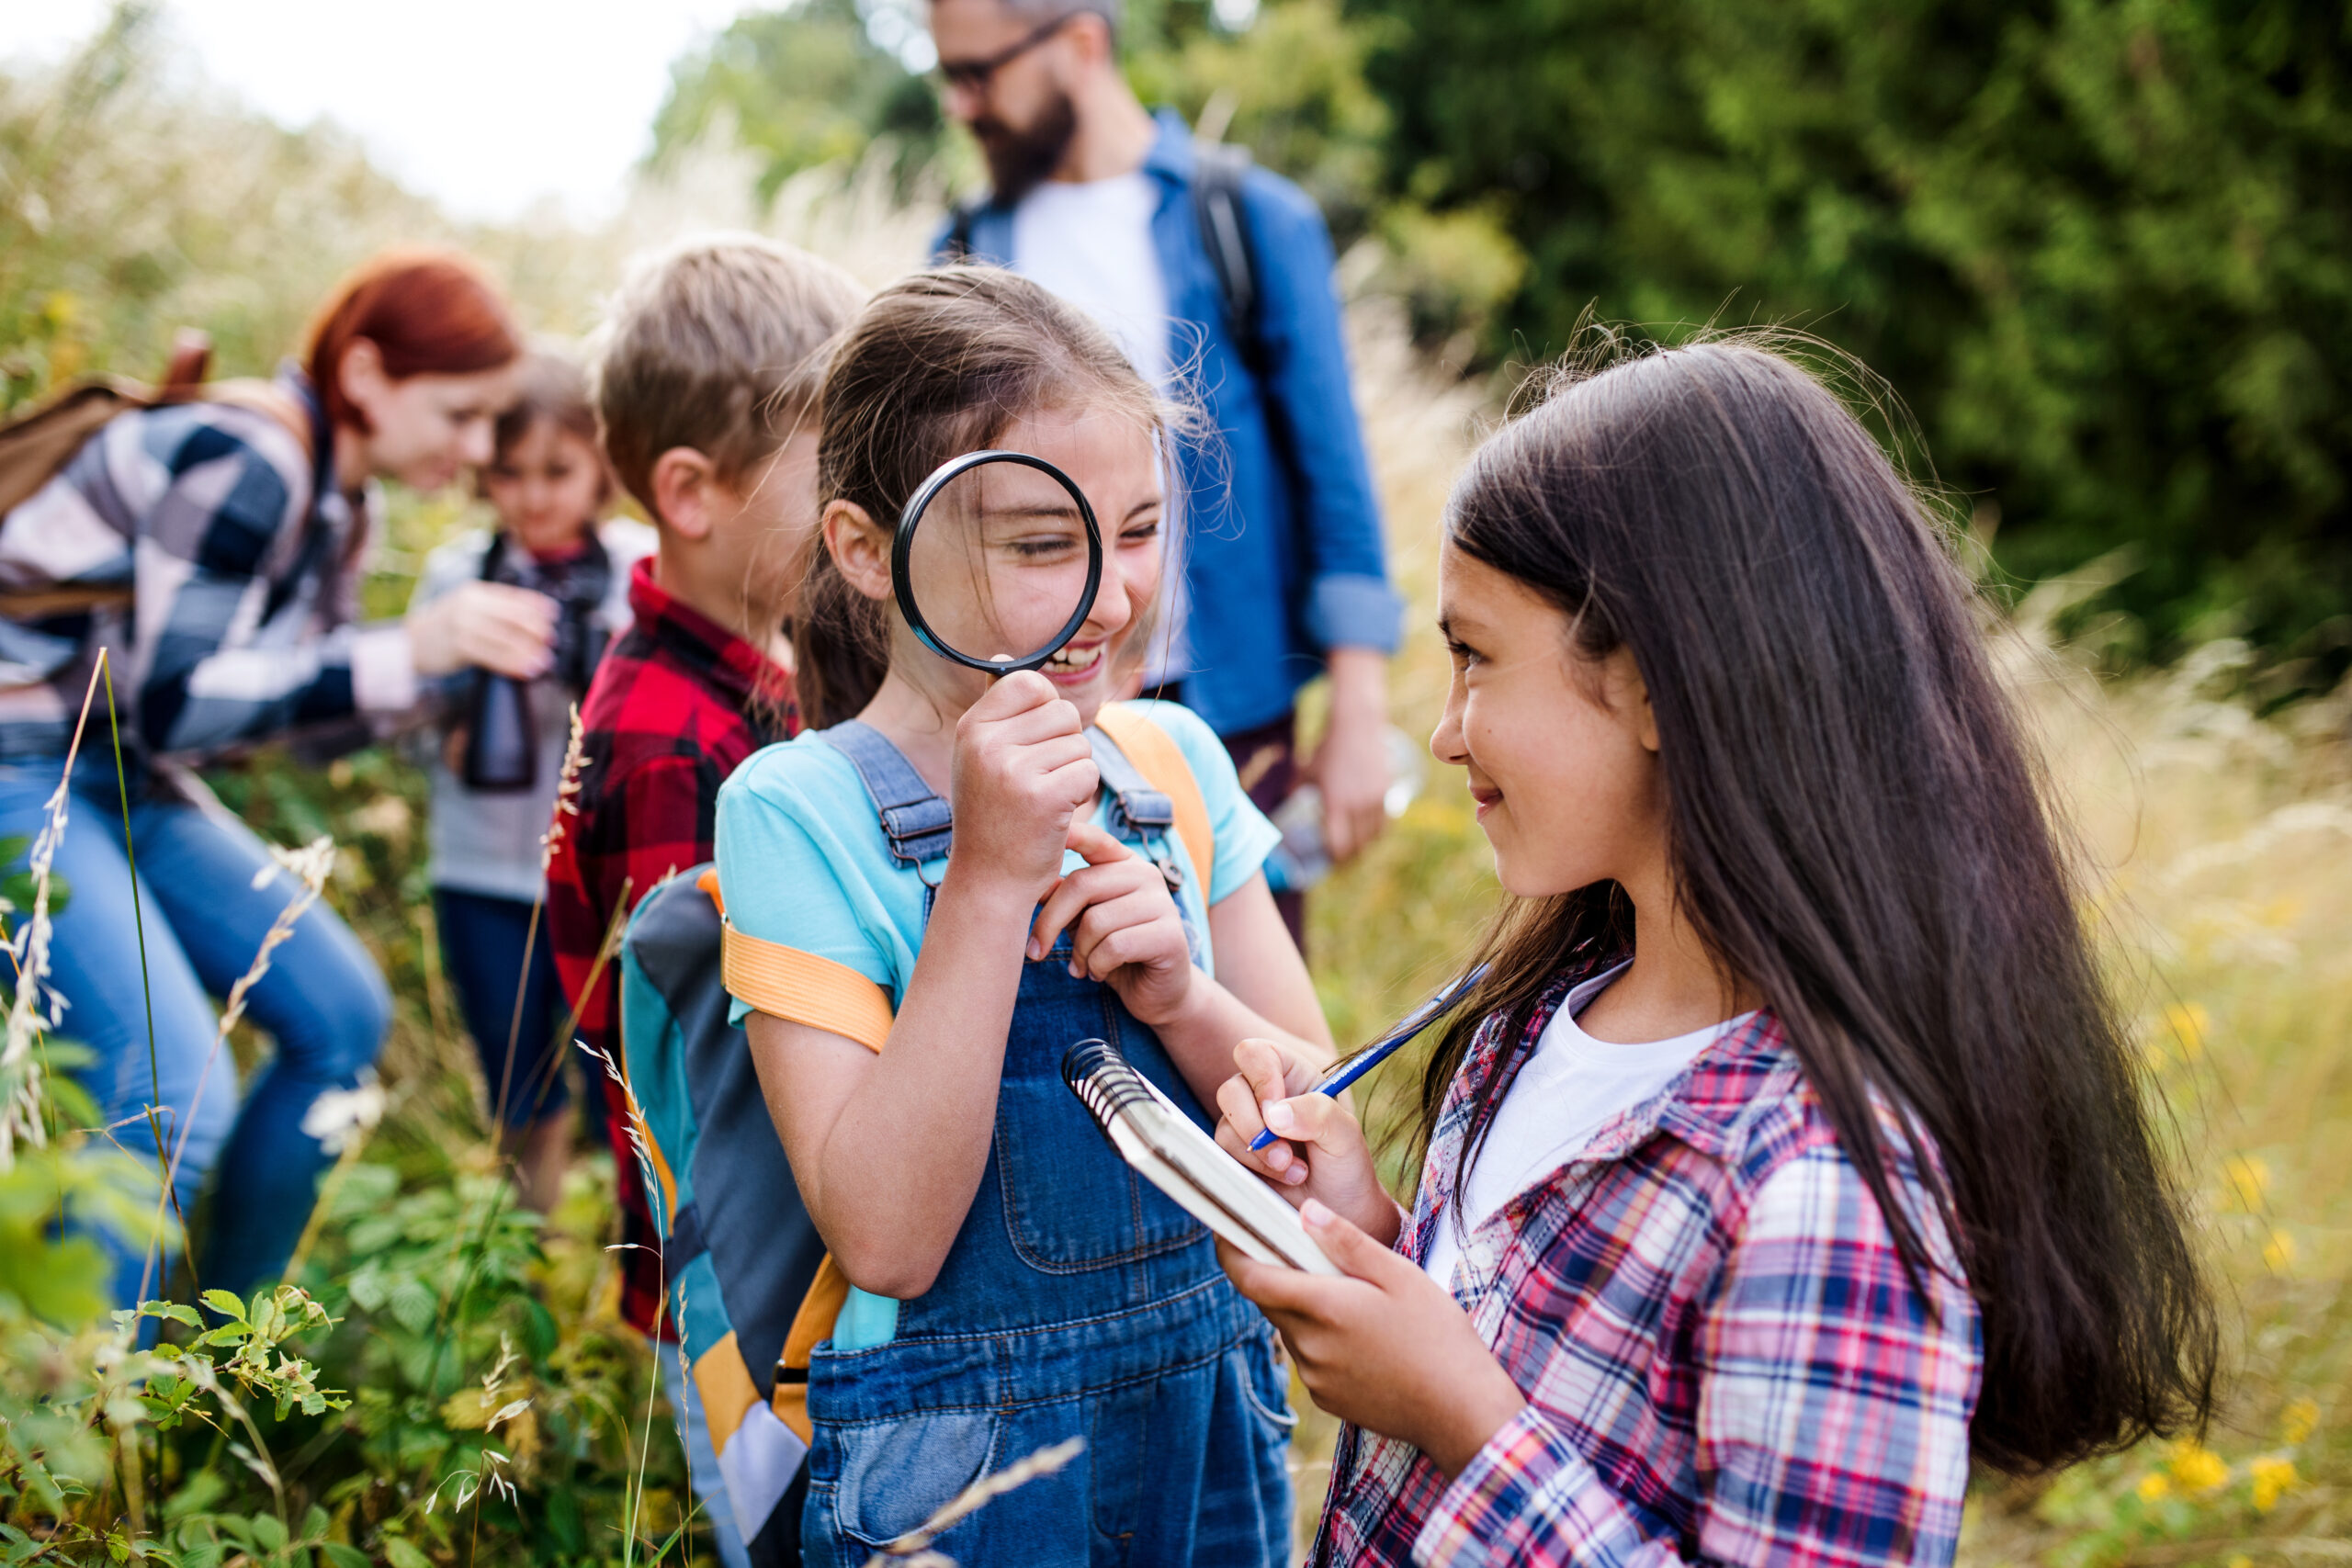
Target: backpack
{"x": 34, "y": 447}
{"x": 1224, "y": 221}
{"x": 746, "y": 1280}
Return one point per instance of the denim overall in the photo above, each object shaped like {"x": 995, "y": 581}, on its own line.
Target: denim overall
{"x": 1077, "y": 1302}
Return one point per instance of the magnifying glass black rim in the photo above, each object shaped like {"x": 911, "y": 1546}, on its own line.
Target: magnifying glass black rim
{"x": 902, "y": 586}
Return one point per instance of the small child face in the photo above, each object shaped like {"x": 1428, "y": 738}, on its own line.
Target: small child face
{"x": 1561, "y": 751}
{"x": 546, "y": 487}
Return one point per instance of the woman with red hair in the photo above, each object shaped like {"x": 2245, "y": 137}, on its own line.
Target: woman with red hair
{"x": 215, "y": 547}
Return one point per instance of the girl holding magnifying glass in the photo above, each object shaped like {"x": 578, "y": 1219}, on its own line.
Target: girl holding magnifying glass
{"x": 932, "y": 904}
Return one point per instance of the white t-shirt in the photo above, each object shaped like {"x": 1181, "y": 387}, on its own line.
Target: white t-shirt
{"x": 1566, "y": 1092}
{"x": 1090, "y": 241}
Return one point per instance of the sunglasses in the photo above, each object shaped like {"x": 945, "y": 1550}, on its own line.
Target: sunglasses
{"x": 974, "y": 76}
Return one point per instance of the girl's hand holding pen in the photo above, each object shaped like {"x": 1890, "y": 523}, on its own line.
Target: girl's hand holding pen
{"x": 1386, "y": 1347}
{"x": 1125, "y": 929}
{"x": 1321, "y": 1151}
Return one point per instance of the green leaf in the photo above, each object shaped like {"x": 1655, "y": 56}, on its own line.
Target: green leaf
{"x": 403, "y": 1553}
{"x": 341, "y": 1556}
{"x": 177, "y": 1311}
{"x": 268, "y": 1534}
{"x": 226, "y": 1304}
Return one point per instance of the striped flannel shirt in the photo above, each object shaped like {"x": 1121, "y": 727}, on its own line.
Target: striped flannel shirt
{"x": 1723, "y": 1358}
{"x": 244, "y": 575}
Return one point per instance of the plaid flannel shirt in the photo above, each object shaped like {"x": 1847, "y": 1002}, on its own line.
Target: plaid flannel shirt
{"x": 1723, "y": 1358}
{"x": 246, "y": 574}
{"x": 677, "y": 703}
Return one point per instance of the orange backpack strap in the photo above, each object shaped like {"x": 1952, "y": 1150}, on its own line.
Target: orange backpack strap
{"x": 801, "y": 987}
{"x": 812, "y": 1326}
{"x": 1161, "y": 762}
{"x": 797, "y": 986}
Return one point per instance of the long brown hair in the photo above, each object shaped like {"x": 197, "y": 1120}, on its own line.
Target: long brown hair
{"x": 938, "y": 364}
{"x": 1856, "y": 831}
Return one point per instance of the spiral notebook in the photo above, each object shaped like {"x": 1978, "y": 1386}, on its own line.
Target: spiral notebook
{"x": 1163, "y": 1144}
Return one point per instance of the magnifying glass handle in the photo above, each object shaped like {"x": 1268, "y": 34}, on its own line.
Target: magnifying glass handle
{"x": 1355, "y": 1063}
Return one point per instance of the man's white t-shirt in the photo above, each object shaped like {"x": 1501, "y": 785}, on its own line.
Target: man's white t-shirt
{"x": 1564, "y": 1093}
{"x": 1090, "y": 241}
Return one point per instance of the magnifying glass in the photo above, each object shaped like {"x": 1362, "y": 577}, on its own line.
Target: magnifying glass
{"x": 996, "y": 560}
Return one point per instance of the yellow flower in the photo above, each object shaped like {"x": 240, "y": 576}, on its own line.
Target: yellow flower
{"x": 2246, "y": 1178}
{"x": 2197, "y": 1468}
{"x": 2153, "y": 1486}
{"x": 2280, "y": 1252}
{"x": 2239, "y": 1561}
{"x": 2300, "y": 1420}
{"x": 2272, "y": 1476}
{"x": 2188, "y": 1022}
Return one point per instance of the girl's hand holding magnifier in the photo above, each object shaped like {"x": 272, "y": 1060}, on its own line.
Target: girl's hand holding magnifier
{"x": 1022, "y": 770}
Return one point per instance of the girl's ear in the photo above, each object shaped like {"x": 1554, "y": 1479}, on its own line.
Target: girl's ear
{"x": 860, "y": 548}
{"x": 1629, "y": 695}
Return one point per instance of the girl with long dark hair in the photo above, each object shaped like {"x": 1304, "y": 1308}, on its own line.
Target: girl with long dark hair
{"x": 1790, "y": 1151}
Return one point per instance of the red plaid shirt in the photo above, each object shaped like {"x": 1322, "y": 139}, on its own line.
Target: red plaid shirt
{"x": 675, "y": 706}
{"x": 1723, "y": 1358}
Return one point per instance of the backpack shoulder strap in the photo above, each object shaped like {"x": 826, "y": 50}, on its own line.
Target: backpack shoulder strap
{"x": 800, "y": 988}
{"x": 1162, "y": 764}
{"x": 1223, "y": 220}
{"x": 269, "y": 399}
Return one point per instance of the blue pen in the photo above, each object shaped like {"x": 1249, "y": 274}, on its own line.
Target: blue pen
{"x": 1357, "y": 1063}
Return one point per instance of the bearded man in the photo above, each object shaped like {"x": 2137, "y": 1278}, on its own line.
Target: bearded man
{"x": 1285, "y": 577}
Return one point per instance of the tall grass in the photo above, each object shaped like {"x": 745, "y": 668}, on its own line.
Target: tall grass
{"x": 2220, "y": 843}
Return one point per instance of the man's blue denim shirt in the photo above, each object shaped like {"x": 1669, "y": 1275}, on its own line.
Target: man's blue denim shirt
{"x": 1285, "y": 552}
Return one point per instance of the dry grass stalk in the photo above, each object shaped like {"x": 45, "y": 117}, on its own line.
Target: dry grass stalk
{"x": 913, "y": 1548}
{"x": 21, "y": 1094}
{"x": 311, "y": 866}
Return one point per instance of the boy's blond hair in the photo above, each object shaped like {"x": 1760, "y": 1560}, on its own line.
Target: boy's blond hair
{"x": 715, "y": 344}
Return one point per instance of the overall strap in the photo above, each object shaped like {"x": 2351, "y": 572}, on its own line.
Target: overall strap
{"x": 1136, "y": 808}
{"x": 914, "y": 820}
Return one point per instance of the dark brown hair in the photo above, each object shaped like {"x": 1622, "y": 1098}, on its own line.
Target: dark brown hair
{"x": 1858, "y": 831}
{"x": 936, "y": 365}
{"x": 428, "y": 314}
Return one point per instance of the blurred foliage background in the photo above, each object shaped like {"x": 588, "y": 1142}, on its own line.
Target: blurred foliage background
{"x": 2099, "y": 248}
{"x": 2102, "y": 247}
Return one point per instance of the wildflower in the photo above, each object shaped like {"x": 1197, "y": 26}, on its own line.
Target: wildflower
{"x": 2198, "y": 1468}
{"x": 340, "y": 1117}
{"x": 2272, "y": 1476}
{"x": 2280, "y": 1251}
{"x": 2153, "y": 1487}
{"x": 2246, "y": 1178}
{"x": 2299, "y": 1419}
{"x": 2188, "y": 1022}
{"x": 2239, "y": 1560}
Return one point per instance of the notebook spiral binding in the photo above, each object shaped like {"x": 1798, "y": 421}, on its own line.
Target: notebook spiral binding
{"x": 1104, "y": 1081}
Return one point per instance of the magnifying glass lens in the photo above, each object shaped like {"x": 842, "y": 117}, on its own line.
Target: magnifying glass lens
{"x": 1001, "y": 563}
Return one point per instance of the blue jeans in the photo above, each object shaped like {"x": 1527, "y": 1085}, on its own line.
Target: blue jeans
{"x": 483, "y": 941}
{"x": 324, "y": 1002}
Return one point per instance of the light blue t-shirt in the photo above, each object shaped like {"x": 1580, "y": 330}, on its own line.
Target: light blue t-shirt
{"x": 803, "y": 862}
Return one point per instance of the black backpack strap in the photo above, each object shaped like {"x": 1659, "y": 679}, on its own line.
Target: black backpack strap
{"x": 1223, "y": 220}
